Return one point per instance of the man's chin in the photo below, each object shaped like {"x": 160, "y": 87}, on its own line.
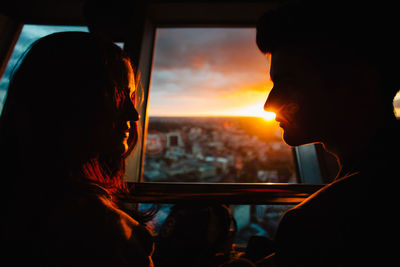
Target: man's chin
{"x": 295, "y": 139}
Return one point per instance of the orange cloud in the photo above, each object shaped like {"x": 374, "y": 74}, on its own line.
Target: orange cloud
{"x": 207, "y": 72}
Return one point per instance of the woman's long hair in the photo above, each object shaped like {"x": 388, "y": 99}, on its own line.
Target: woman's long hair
{"x": 56, "y": 95}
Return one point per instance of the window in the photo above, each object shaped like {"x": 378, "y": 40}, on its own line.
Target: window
{"x": 29, "y": 34}
{"x": 206, "y": 118}
{"x": 206, "y": 121}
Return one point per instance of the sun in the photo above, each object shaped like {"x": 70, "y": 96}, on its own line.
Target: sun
{"x": 267, "y": 115}
{"x": 255, "y": 110}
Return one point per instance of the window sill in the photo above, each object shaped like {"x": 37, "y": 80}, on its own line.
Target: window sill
{"x": 229, "y": 193}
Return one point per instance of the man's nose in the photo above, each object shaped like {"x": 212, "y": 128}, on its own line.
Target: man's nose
{"x": 272, "y": 103}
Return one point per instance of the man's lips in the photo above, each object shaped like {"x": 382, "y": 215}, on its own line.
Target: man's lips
{"x": 281, "y": 120}
{"x": 286, "y": 113}
{"x": 284, "y": 125}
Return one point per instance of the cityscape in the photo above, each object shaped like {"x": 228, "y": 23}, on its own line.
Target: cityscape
{"x": 221, "y": 149}
{"x": 216, "y": 149}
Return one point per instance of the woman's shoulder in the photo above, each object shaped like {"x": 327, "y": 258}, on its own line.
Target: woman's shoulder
{"x": 97, "y": 209}
{"x": 93, "y": 223}
{"x": 122, "y": 223}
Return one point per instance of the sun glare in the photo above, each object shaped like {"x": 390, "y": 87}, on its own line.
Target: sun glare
{"x": 268, "y": 116}
{"x": 255, "y": 110}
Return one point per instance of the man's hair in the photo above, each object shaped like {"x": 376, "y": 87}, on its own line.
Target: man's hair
{"x": 357, "y": 33}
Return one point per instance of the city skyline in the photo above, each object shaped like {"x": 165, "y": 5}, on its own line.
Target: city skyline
{"x": 216, "y": 149}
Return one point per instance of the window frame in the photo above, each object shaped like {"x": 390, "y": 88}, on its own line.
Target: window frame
{"x": 164, "y": 15}
{"x": 10, "y": 32}
{"x": 225, "y": 193}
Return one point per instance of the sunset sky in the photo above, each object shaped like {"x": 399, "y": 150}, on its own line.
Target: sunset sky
{"x": 208, "y": 71}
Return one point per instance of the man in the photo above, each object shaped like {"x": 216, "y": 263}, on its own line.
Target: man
{"x": 335, "y": 74}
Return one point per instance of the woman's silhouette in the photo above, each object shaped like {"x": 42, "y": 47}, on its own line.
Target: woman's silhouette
{"x": 67, "y": 126}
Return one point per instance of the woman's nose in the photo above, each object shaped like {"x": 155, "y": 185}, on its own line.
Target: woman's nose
{"x": 131, "y": 113}
{"x": 134, "y": 115}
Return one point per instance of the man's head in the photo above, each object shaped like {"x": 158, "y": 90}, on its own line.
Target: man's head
{"x": 331, "y": 72}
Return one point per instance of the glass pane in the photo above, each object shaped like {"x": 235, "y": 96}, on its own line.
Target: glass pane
{"x": 206, "y": 117}
{"x": 29, "y": 34}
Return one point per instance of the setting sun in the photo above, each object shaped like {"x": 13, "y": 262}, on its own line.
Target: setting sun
{"x": 268, "y": 116}
{"x": 255, "y": 110}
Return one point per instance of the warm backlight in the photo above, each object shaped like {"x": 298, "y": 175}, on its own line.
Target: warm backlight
{"x": 255, "y": 110}
{"x": 268, "y": 116}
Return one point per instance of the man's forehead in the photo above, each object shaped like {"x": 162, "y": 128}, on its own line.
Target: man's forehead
{"x": 285, "y": 60}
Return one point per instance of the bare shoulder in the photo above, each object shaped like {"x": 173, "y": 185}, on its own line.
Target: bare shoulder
{"x": 102, "y": 215}
{"x": 92, "y": 223}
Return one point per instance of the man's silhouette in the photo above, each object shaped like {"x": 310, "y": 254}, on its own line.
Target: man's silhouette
{"x": 336, "y": 71}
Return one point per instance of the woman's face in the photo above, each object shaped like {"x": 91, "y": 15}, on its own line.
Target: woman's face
{"x": 121, "y": 118}
{"x": 105, "y": 118}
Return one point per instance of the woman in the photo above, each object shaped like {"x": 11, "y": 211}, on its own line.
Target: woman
{"x": 68, "y": 124}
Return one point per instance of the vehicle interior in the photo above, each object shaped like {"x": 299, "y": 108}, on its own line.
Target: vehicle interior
{"x": 172, "y": 164}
